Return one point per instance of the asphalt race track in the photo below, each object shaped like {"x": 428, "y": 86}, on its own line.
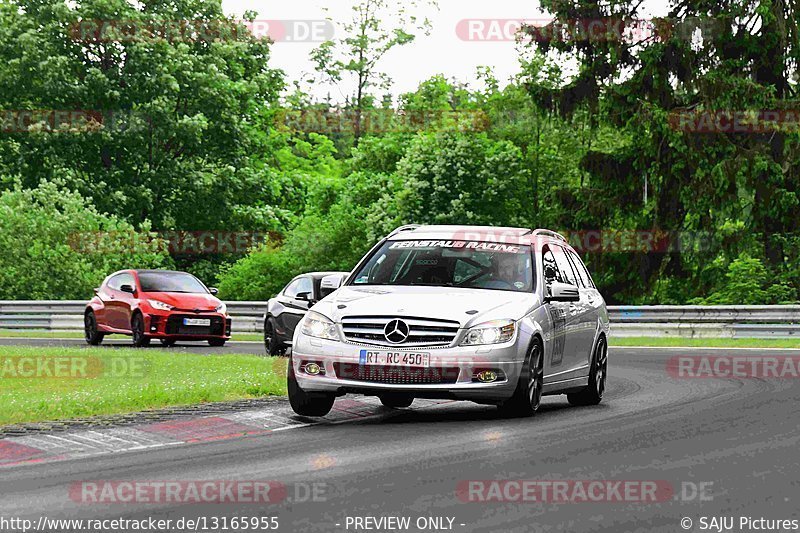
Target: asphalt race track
{"x": 724, "y": 447}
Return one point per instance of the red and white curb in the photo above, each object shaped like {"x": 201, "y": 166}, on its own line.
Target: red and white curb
{"x": 44, "y": 447}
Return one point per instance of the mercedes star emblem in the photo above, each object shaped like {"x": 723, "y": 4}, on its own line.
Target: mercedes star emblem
{"x": 396, "y": 331}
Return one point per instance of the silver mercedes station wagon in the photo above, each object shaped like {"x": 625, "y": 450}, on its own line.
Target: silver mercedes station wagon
{"x": 492, "y": 315}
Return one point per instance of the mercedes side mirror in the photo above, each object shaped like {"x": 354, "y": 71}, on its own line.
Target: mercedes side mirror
{"x": 213, "y": 290}
{"x": 128, "y": 288}
{"x": 562, "y": 292}
{"x": 331, "y": 282}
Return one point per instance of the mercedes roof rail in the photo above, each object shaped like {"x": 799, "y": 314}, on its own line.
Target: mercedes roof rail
{"x": 407, "y": 227}
{"x": 549, "y": 233}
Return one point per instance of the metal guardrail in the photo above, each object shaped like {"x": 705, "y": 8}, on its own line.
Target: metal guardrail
{"x": 777, "y": 321}
{"x": 67, "y": 315}
{"x": 745, "y": 321}
{"x": 757, "y": 314}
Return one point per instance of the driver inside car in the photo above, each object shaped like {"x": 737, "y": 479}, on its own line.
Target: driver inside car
{"x": 508, "y": 272}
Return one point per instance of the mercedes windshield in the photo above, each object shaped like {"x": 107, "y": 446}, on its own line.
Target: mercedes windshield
{"x": 464, "y": 264}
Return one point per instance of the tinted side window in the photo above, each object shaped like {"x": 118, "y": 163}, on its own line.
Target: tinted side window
{"x": 582, "y": 270}
{"x": 127, "y": 279}
{"x": 119, "y": 280}
{"x": 573, "y": 259}
{"x": 305, "y": 285}
{"x": 564, "y": 266}
{"x": 115, "y": 282}
{"x": 291, "y": 289}
{"x": 551, "y": 272}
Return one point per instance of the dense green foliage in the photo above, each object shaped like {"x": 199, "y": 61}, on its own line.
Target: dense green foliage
{"x": 707, "y": 60}
{"x": 180, "y": 120}
{"x": 195, "y": 136}
{"x": 56, "y": 244}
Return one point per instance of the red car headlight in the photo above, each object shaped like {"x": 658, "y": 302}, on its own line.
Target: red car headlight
{"x": 161, "y": 306}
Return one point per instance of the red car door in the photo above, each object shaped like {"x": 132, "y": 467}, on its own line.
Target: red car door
{"x": 109, "y": 294}
{"x": 125, "y": 301}
{"x": 116, "y": 302}
{"x": 103, "y": 314}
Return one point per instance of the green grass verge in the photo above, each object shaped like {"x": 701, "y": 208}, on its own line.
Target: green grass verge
{"x": 703, "y": 342}
{"x": 46, "y": 334}
{"x": 102, "y": 381}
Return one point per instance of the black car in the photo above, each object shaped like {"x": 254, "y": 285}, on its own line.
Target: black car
{"x": 287, "y": 309}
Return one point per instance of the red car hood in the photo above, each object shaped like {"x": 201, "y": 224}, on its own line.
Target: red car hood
{"x": 182, "y": 300}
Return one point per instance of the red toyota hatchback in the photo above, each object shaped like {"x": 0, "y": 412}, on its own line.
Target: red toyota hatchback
{"x": 156, "y": 304}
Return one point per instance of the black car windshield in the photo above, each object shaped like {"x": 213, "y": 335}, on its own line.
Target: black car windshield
{"x": 468, "y": 264}
{"x": 170, "y": 282}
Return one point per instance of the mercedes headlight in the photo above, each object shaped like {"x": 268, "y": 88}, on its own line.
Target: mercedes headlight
{"x": 320, "y": 326}
{"x": 221, "y": 308}
{"x": 493, "y": 332}
{"x": 161, "y": 306}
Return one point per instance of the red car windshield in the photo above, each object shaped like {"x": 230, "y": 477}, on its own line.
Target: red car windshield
{"x": 170, "y": 282}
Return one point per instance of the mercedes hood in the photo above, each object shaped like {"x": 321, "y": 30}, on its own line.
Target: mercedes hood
{"x": 465, "y": 306}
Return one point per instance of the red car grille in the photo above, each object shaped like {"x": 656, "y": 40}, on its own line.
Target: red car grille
{"x": 175, "y": 326}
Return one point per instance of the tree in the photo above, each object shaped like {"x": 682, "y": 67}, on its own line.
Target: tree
{"x": 704, "y": 60}
{"x": 447, "y": 178}
{"x": 171, "y": 104}
{"x": 366, "y": 42}
{"x": 338, "y": 227}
